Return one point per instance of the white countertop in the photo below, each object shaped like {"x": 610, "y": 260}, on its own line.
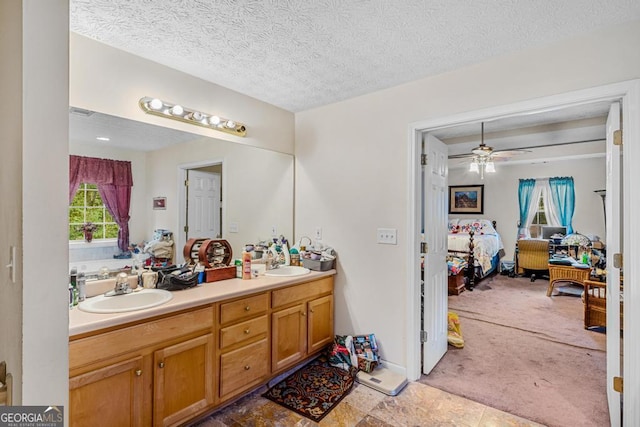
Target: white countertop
{"x": 81, "y": 322}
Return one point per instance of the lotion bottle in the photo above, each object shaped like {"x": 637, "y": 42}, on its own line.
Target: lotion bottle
{"x": 246, "y": 265}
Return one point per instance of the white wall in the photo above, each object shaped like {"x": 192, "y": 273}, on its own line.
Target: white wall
{"x": 11, "y": 188}
{"x": 112, "y": 81}
{"x": 257, "y": 189}
{"x": 501, "y": 194}
{"x": 45, "y": 184}
{"x": 351, "y": 162}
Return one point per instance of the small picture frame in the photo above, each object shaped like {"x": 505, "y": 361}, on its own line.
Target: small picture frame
{"x": 160, "y": 203}
{"x": 466, "y": 199}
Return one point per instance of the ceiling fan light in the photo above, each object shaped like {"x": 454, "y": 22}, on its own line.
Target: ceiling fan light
{"x": 473, "y": 167}
{"x": 490, "y": 167}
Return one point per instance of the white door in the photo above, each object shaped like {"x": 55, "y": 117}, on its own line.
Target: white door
{"x": 203, "y": 205}
{"x": 614, "y": 246}
{"x": 434, "y": 205}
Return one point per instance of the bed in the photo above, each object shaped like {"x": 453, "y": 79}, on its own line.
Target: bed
{"x": 479, "y": 244}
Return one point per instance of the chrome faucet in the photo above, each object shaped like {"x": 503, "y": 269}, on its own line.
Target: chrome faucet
{"x": 272, "y": 261}
{"x": 122, "y": 285}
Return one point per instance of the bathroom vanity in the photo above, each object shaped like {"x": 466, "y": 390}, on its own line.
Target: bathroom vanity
{"x": 206, "y": 347}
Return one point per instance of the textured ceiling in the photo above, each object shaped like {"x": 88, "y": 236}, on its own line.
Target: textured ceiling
{"x": 303, "y": 54}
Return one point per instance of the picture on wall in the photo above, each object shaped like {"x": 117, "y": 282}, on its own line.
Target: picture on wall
{"x": 466, "y": 199}
{"x": 160, "y": 203}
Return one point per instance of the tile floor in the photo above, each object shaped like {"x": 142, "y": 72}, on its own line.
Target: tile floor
{"x": 416, "y": 405}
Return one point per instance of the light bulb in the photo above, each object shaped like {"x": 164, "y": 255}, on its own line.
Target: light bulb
{"x": 490, "y": 167}
{"x": 231, "y": 124}
{"x": 214, "y": 120}
{"x": 177, "y": 110}
{"x": 197, "y": 116}
{"x": 155, "y": 104}
{"x": 473, "y": 167}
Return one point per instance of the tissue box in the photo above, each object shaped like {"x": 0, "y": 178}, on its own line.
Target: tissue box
{"x": 318, "y": 265}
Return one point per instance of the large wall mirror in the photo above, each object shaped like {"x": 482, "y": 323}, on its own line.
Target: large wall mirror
{"x": 254, "y": 185}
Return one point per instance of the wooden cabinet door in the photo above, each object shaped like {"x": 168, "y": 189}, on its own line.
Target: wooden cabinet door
{"x": 320, "y": 331}
{"x": 289, "y": 336}
{"x": 110, "y": 396}
{"x": 183, "y": 377}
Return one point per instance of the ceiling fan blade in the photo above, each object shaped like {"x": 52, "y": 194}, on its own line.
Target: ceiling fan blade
{"x": 509, "y": 153}
{"x": 461, "y": 156}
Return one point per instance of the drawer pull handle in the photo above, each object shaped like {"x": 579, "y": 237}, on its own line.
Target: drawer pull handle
{"x": 247, "y": 308}
{"x": 246, "y": 331}
{"x": 311, "y": 310}
{"x": 138, "y": 372}
{"x": 246, "y": 368}
{"x": 161, "y": 364}
{"x": 304, "y": 314}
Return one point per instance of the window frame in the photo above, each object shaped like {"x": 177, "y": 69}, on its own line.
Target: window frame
{"x": 97, "y": 241}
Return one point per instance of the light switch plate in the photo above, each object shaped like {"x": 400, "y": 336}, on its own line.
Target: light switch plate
{"x": 387, "y": 236}
{"x": 233, "y": 227}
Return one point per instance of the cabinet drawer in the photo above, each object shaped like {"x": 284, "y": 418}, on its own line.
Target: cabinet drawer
{"x": 244, "y": 308}
{"x": 110, "y": 344}
{"x": 293, "y": 294}
{"x": 243, "y": 368}
{"x": 243, "y": 331}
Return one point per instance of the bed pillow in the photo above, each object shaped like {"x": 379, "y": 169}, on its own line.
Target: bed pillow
{"x": 479, "y": 226}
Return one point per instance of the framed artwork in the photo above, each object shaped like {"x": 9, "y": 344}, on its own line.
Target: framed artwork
{"x": 159, "y": 203}
{"x": 466, "y": 199}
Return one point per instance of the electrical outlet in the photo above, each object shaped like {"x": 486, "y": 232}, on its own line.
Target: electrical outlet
{"x": 274, "y": 231}
{"x": 387, "y": 236}
{"x": 318, "y": 233}
{"x": 233, "y": 227}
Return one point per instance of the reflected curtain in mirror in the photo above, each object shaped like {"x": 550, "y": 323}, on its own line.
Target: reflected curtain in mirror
{"x": 114, "y": 181}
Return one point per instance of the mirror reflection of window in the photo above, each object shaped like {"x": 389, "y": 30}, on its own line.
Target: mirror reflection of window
{"x": 87, "y": 207}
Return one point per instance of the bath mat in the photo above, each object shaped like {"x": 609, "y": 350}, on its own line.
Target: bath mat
{"x": 314, "y": 390}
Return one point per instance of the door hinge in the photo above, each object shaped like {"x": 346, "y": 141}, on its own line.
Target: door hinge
{"x": 617, "y": 384}
{"x": 424, "y": 247}
{"x": 186, "y": 228}
{"x": 617, "y": 137}
{"x": 186, "y": 182}
{"x": 424, "y": 335}
{"x": 423, "y": 159}
{"x": 617, "y": 260}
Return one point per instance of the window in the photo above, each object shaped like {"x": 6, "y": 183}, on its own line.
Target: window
{"x": 539, "y": 219}
{"x": 87, "y": 206}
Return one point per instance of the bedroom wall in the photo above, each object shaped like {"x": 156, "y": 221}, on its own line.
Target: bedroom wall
{"x": 501, "y": 194}
{"x": 352, "y": 161}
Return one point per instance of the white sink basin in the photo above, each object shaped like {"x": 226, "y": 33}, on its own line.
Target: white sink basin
{"x": 140, "y": 300}
{"x": 287, "y": 271}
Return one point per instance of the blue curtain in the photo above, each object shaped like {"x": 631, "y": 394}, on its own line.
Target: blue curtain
{"x": 564, "y": 197}
{"x": 525, "y": 192}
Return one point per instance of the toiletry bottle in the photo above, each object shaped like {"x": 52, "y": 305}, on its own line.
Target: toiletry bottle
{"x": 287, "y": 255}
{"x": 70, "y": 296}
{"x": 238, "y": 264}
{"x": 246, "y": 265}
{"x": 82, "y": 289}
{"x": 295, "y": 256}
{"x": 74, "y": 286}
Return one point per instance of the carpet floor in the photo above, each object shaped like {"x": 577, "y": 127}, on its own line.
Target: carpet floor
{"x": 526, "y": 354}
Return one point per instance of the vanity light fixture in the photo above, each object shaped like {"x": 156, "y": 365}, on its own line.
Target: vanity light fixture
{"x": 168, "y": 110}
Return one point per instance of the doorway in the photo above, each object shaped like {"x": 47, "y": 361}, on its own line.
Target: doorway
{"x": 199, "y": 201}
{"x": 629, "y": 95}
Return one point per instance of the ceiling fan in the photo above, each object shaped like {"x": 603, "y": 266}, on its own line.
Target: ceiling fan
{"x": 483, "y": 156}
